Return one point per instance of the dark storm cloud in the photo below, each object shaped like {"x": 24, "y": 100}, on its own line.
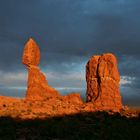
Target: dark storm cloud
{"x": 71, "y": 29}
{"x": 69, "y": 32}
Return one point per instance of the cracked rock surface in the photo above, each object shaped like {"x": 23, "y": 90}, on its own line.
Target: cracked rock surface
{"x": 103, "y": 79}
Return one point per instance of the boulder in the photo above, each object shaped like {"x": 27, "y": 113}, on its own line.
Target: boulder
{"x": 31, "y": 53}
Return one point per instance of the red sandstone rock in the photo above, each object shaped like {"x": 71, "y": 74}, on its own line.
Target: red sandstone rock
{"x": 73, "y": 98}
{"x": 102, "y": 90}
{"x": 31, "y": 54}
{"x": 103, "y": 78}
{"x": 108, "y": 67}
{"x": 38, "y": 87}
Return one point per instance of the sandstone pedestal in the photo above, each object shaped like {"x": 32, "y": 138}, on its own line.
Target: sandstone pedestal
{"x": 37, "y": 87}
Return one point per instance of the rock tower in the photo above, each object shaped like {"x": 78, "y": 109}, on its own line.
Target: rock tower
{"x": 103, "y": 79}
{"x": 37, "y": 87}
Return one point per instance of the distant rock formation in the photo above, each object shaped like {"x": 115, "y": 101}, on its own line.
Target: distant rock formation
{"x": 42, "y": 101}
{"x": 38, "y": 87}
{"x": 103, "y": 79}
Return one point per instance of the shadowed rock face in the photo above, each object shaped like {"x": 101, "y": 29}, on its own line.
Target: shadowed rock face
{"x": 38, "y": 87}
{"x": 103, "y": 78}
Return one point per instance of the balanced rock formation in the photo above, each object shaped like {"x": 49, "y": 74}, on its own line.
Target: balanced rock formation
{"x": 103, "y": 79}
{"x": 38, "y": 87}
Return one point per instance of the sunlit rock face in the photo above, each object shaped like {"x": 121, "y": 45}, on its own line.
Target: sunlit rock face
{"x": 31, "y": 54}
{"x": 38, "y": 87}
{"x": 103, "y": 79}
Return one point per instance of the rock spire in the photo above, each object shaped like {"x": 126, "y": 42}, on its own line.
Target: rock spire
{"x": 37, "y": 87}
{"x": 103, "y": 79}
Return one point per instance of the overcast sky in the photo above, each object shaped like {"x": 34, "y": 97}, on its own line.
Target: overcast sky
{"x": 69, "y": 32}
